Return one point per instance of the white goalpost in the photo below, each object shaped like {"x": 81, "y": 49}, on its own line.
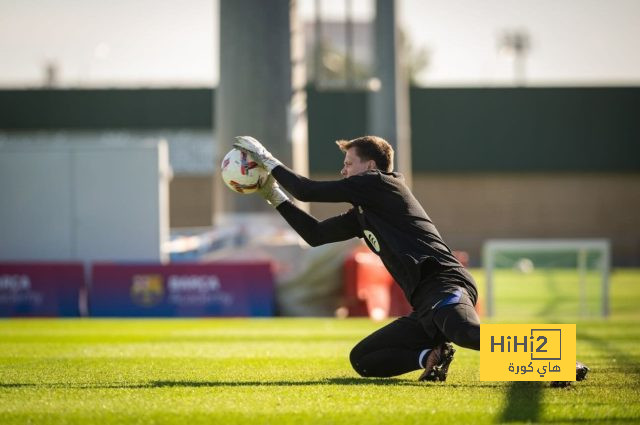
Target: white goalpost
{"x": 541, "y": 265}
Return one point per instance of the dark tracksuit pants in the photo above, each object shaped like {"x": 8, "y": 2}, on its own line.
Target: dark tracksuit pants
{"x": 443, "y": 311}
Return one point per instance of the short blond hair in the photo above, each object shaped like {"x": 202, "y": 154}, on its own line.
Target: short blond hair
{"x": 371, "y": 148}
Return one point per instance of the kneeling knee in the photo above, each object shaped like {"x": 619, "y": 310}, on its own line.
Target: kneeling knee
{"x": 357, "y": 363}
{"x": 355, "y": 360}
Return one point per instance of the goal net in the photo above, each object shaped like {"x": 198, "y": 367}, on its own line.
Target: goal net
{"x": 547, "y": 277}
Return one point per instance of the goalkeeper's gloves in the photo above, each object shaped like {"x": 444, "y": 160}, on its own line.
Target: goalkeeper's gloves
{"x": 260, "y": 154}
{"x": 271, "y": 192}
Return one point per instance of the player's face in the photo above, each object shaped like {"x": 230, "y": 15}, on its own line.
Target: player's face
{"x": 353, "y": 164}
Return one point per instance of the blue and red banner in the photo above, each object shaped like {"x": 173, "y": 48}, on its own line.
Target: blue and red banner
{"x": 192, "y": 290}
{"x": 40, "y": 289}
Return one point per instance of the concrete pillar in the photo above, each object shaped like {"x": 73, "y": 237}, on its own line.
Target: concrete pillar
{"x": 389, "y": 99}
{"x": 261, "y": 91}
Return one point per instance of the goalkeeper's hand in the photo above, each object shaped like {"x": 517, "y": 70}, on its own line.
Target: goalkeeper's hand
{"x": 260, "y": 154}
{"x": 271, "y": 192}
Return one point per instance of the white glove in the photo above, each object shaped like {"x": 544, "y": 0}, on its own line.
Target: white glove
{"x": 259, "y": 152}
{"x": 271, "y": 192}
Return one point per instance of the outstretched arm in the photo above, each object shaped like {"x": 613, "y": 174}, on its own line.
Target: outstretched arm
{"x": 308, "y": 190}
{"x": 314, "y": 232}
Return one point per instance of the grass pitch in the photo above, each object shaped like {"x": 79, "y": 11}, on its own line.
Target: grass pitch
{"x": 284, "y": 371}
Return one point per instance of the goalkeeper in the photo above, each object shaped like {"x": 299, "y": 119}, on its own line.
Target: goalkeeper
{"x": 394, "y": 226}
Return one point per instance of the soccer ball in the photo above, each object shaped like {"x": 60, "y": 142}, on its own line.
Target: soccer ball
{"x": 241, "y": 173}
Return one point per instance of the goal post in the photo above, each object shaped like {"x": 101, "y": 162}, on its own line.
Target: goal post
{"x": 582, "y": 260}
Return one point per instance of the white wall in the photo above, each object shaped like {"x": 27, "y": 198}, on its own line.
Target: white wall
{"x": 106, "y": 201}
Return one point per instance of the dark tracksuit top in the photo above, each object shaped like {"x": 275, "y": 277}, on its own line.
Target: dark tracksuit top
{"x": 385, "y": 214}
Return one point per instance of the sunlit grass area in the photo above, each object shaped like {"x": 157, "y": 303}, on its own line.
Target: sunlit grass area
{"x": 286, "y": 370}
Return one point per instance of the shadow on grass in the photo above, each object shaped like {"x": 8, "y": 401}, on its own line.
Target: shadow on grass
{"x": 15, "y": 385}
{"x": 198, "y": 384}
{"x": 523, "y": 402}
{"x": 329, "y": 381}
{"x": 343, "y": 381}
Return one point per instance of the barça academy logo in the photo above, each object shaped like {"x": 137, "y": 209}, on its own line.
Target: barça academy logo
{"x": 18, "y": 289}
{"x": 527, "y": 352}
{"x": 147, "y": 290}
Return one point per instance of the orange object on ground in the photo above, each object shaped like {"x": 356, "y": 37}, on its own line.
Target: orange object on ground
{"x": 369, "y": 289}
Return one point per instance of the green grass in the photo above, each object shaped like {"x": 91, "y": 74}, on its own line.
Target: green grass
{"x": 285, "y": 371}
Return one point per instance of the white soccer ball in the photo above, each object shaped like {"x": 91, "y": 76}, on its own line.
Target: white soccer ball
{"x": 525, "y": 266}
{"x": 241, "y": 173}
